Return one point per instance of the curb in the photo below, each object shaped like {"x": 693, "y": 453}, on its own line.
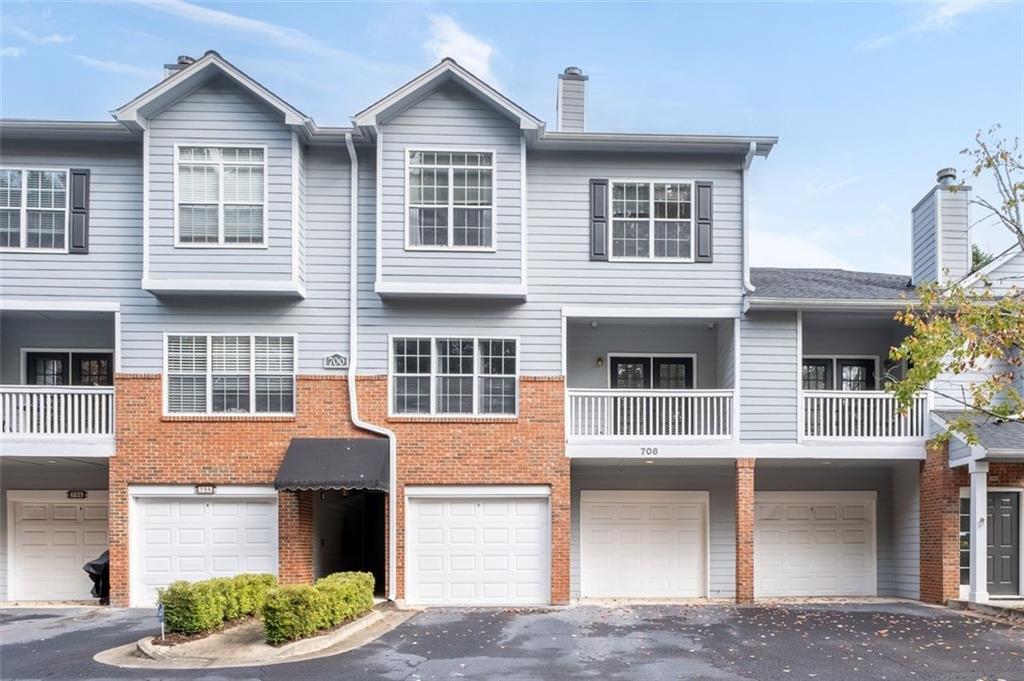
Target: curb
{"x": 298, "y": 648}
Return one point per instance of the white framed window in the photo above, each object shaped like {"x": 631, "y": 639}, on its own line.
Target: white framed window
{"x": 450, "y": 200}
{"x": 652, "y": 220}
{"x": 229, "y": 374}
{"x": 34, "y": 209}
{"x": 220, "y": 196}
{"x": 454, "y": 376}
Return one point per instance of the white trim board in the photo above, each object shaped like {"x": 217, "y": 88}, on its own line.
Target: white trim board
{"x": 478, "y": 491}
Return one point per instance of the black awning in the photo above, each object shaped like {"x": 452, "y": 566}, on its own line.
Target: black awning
{"x": 335, "y": 463}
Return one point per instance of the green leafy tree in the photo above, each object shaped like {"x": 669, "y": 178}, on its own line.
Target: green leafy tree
{"x": 979, "y": 258}
{"x": 957, "y": 329}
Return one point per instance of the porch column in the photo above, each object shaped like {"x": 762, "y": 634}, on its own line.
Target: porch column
{"x": 979, "y": 532}
{"x": 745, "y": 530}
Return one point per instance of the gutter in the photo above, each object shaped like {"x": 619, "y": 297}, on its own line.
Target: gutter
{"x": 353, "y": 332}
{"x": 748, "y": 287}
{"x": 756, "y": 302}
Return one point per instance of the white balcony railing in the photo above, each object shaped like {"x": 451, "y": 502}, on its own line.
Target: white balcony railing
{"x": 49, "y": 410}
{"x": 646, "y": 414}
{"x": 862, "y": 415}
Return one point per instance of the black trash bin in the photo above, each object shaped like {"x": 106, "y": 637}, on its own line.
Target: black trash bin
{"x": 99, "y": 572}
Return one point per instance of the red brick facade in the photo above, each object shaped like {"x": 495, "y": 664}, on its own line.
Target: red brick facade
{"x": 157, "y": 450}
{"x": 940, "y": 518}
{"x": 745, "y": 530}
{"x": 528, "y": 450}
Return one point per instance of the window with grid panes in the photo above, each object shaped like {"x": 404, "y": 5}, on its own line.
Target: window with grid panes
{"x": 451, "y": 199}
{"x": 33, "y": 208}
{"x": 652, "y": 220}
{"x": 220, "y": 194}
{"x": 230, "y": 374}
{"x": 454, "y": 376}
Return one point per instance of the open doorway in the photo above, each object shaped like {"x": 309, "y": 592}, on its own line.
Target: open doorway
{"x": 348, "y": 533}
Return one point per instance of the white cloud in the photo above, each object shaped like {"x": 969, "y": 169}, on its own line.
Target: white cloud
{"x": 255, "y": 29}
{"x": 448, "y": 39}
{"x": 776, "y": 249}
{"x": 119, "y": 68}
{"x": 12, "y": 51}
{"x": 823, "y": 188}
{"x": 938, "y": 16}
{"x": 47, "y": 39}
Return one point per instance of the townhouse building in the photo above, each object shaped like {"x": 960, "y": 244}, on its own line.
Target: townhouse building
{"x": 492, "y": 363}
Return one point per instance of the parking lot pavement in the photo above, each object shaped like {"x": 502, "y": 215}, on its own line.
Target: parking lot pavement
{"x": 763, "y": 642}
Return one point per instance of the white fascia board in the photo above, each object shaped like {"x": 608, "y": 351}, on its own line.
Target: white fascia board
{"x": 43, "y": 305}
{"x": 978, "y": 452}
{"x": 426, "y": 290}
{"x": 219, "y": 287}
{"x": 57, "y": 446}
{"x": 1000, "y": 260}
{"x": 233, "y": 491}
{"x": 171, "y": 88}
{"x": 448, "y": 68}
{"x": 478, "y": 491}
{"x": 763, "y": 303}
{"x": 912, "y": 450}
{"x": 659, "y": 312}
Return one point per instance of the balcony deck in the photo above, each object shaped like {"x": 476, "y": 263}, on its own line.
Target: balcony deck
{"x": 46, "y": 420}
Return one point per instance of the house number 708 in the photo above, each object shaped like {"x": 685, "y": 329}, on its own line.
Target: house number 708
{"x": 648, "y": 451}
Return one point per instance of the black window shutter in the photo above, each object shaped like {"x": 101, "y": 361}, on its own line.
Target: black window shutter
{"x": 599, "y": 219}
{"x": 78, "y": 239}
{"x": 704, "y": 251}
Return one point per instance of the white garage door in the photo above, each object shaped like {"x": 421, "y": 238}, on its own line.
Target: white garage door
{"x": 52, "y": 541}
{"x": 814, "y": 544}
{"x": 198, "y": 538}
{"x": 643, "y": 544}
{"x": 487, "y": 550}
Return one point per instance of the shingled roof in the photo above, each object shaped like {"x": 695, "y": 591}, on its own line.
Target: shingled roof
{"x": 994, "y": 435}
{"x": 825, "y": 284}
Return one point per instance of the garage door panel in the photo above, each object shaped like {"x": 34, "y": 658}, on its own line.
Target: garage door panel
{"x": 642, "y": 546}
{"x": 199, "y": 538}
{"x": 817, "y": 546}
{"x": 50, "y": 542}
{"x": 478, "y": 551}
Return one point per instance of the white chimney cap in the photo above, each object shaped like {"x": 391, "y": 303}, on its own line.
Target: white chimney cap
{"x": 946, "y": 176}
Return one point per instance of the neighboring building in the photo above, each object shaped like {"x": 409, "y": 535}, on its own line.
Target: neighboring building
{"x": 556, "y": 376}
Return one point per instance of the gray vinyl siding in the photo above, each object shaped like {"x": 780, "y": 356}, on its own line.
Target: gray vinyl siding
{"x": 958, "y": 450}
{"x": 956, "y": 246}
{"x": 112, "y": 270}
{"x": 572, "y": 102}
{"x": 28, "y": 476}
{"x": 923, "y": 243}
{"x": 19, "y": 331}
{"x": 906, "y": 529}
{"x": 860, "y": 476}
{"x": 220, "y": 113}
{"x": 768, "y": 380}
{"x": 726, "y": 354}
{"x": 718, "y": 480}
{"x": 1007, "y": 275}
{"x": 952, "y": 387}
{"x": 451, "y": 118}
{"x": 586, "y": 344}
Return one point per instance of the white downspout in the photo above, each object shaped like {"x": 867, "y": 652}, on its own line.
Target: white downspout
{"x": 747, "y": 286}
{"x": 353, "y": 361}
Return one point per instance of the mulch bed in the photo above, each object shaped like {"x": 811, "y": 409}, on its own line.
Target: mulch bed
{"x": 174, "y": 638}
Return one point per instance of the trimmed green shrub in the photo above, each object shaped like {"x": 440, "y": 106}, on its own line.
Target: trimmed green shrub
{"x": 296, "y": 612}
{"x": 292, "y": 612}
{"x": 195, "y": 607}
{"x": 190, "y": 608}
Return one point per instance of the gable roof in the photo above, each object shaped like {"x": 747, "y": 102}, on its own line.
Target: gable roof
{"x": 994, "y": 435}
{"x": 997, "y": 262}
{"x": 447, "y": 70}
{"x": 797, "y": 287}
{"x": 170, "y": 89}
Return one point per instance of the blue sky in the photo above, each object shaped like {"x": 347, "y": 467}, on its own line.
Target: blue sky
{"x": 868, "y": 99}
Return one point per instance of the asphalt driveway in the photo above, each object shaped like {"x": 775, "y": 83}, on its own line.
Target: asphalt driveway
{"x": 830, "y": 642}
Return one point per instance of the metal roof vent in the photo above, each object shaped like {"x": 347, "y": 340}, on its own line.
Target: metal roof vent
{"x": 946, "y": 177}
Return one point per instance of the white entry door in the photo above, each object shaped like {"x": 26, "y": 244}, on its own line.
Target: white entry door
{"x": 814, "y": 544}
{"x": 52, "y": 540}
{"x": 643, "y": 544}
{"x": 477, "y": 550}
{"x": 196, "y": 538}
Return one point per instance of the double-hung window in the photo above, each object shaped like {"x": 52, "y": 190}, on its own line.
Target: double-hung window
{"x": 451, "y": 200}
{"x": 454, "y": 376}
{"x": 33, "y": 209}
{"x": 230, "y": 374}
{"x": 652, "y": 220}
{"x": 221, "y": 196}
